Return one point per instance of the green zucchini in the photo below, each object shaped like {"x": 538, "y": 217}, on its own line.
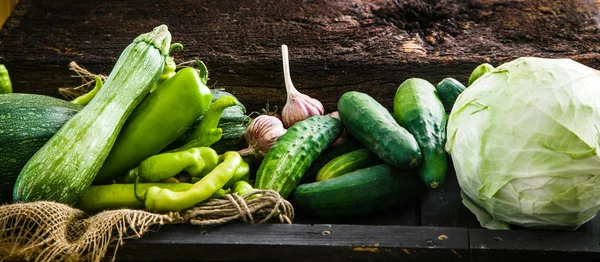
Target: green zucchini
{"x": 418, "y": 109}
{"x": 448, "y": 90}
{"x": 66, "y": 165}
{"x": 346, "y": 163}
{"x": 361, "y": 192}
{"x": 27, "y": 121}
{"x": 373, "y": 126}
{"x": 287, "y": 161}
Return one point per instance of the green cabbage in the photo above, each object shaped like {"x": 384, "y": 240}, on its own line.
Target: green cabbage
{"x": 524, "y": 143}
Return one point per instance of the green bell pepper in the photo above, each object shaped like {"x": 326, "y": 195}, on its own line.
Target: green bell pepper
{"x": 163, "y": 115}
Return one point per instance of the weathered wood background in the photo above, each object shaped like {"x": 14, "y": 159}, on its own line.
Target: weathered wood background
{"x": 335, "y": 46}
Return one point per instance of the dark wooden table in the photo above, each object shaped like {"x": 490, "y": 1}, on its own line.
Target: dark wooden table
{"x": 335, "y": 46}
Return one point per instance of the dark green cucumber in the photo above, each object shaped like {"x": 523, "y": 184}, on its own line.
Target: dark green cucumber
{"x": 418, "y": 109}
{"x": 448, "y": 90}
{"x": 287, "y": 161}
{"x": 373, "y": 126}
{"x": 346, "y": 163}
{"x": 27, "y": 122}
{"x": 329, "y": 154}
{"x": 361, "y": 192}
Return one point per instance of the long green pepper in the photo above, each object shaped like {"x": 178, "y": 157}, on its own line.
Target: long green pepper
{"x": 162, "y": 117}
{"x": 207, "y": 132}
{"x": 197, "y": 162}
{"x": 5, "y": 83}
{"x": 164, "y": 200}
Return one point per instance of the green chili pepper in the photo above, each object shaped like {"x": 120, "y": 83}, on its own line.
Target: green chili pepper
{"x": 163, "y": 115}
{"x": 243, "y": 171}
{"x": 242, "y": 188}
{"x": 161, "y": 200}
{"x": 220, "y": 193}
{"x": 207, "y": 132}
{"x": 197, "y": 162}
{"x": 87, "y": 97}
{"x": 5, "y": 83}
{"x": 103, "y": 197}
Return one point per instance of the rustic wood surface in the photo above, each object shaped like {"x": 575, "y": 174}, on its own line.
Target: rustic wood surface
{"x": 335, "y": 46}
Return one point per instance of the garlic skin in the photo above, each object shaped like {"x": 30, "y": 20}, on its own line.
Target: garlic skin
{"x": 261, "y": 135}
{"x": 298, "y": 106}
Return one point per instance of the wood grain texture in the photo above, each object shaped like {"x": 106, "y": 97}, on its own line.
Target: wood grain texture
{"x": 320, "y": 242}
{"x": 335, "y": 46}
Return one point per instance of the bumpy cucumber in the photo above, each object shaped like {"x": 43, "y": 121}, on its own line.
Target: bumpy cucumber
{"x": 418, "y": 109}
{"x": 372, "y": 125}
{"x": 347, "y": 163}
{"x": 361, "y": 192}
{"x": 287, "y": 161}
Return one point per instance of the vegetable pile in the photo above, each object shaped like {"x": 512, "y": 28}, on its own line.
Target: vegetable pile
{"x": 522, "y": 138}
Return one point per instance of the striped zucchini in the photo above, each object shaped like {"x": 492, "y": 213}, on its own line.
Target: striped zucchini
{"x": 27, "y": 122}
{"x": 66, "y": 165}
{"x": 287, "y": 161}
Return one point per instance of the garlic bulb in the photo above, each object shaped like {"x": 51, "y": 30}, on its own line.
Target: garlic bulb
{"x": 261, "y": 135}
{"x": 298, "y": 106}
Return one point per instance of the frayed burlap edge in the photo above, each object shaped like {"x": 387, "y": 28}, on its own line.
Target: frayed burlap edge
{"x": 49, "y": 231}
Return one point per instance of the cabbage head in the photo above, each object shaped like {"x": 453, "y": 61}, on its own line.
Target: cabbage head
{"x": 524, "y": 142}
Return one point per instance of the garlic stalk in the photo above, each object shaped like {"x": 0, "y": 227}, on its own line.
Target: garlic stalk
{"x": 261, "y": 135}
{"x": 298, "y": 106}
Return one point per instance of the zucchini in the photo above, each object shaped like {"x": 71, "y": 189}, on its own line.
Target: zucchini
{"x": 27, "y": 121}
{"x": 66, "y": 165}
{"x": 448, "y": 90}
{"x": 287, "y": 161}
{"x": 347, "y": 163}
{"x": 418, "y": 109}
{"x": 360, "y": 192}
{"x": 373, "y": 126}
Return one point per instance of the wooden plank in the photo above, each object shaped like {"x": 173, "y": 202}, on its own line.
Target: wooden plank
{"x": 442, "y": 207}
{"x": 335, "y": 46}
{"x": 322, "y": 242}
{"x": 524, "y": 245}
{"x": 405, "y": 215}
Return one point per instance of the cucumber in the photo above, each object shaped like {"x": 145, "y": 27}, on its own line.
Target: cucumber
{"x": 347, "y": 163}
{"x": 361, "y": 192}
{"x": 287, "y": 161}
{"x": 448, "y": 90}
{"x": 329, "y": 154}
{"x": 373, "y": 126}
{"x": 27, "y": 121}
{"x": 418, "y": 109}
